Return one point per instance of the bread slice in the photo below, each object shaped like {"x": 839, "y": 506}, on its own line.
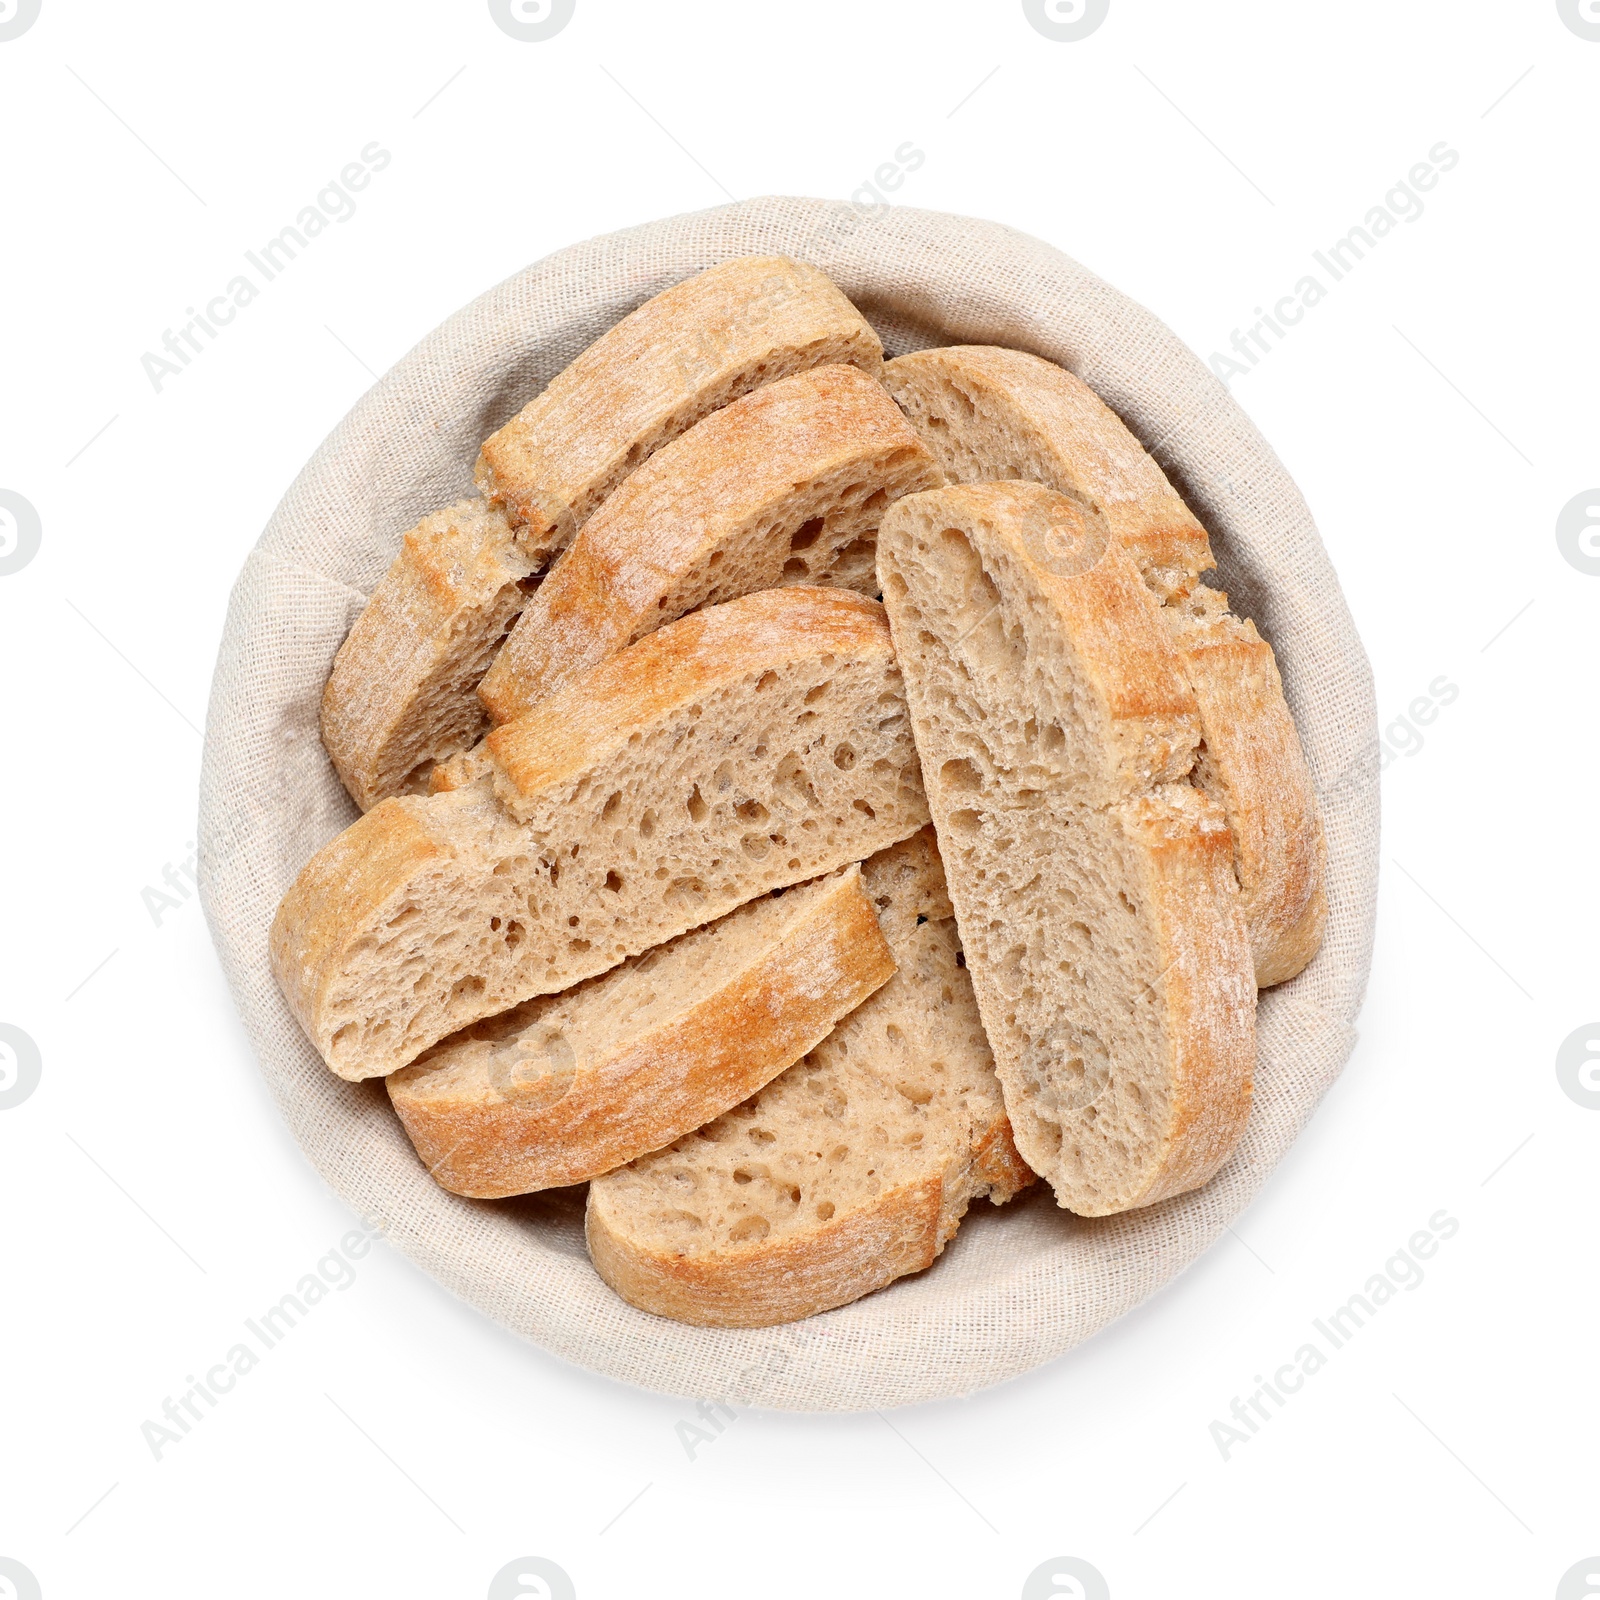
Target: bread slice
{"x": 783, "y": 486}
{"x": 744, "y": 748}
{"x": 677, "y": 358}
{"x": 1251, "y": 764}
{"x": 563, "y": 1088}
{"x": 400, "y": 696}
{"x": 852, "y": 1169}
{"x": 1092, "y": 882}
{"x": 989, "y": 413}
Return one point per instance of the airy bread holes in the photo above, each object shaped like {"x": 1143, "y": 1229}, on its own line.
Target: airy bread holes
{"x": 962, "y": 775}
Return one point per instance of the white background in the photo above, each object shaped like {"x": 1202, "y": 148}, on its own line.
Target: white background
{"x": 1438, "y": 412}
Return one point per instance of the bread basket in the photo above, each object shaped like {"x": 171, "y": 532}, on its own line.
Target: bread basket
{"x": 1018, "y": 1286}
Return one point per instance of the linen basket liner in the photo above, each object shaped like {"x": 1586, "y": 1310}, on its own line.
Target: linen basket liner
{"x": 1018, "y": 1285}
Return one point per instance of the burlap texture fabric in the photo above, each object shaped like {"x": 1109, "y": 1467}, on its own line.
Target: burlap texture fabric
{"x": 1019, "y": 1285}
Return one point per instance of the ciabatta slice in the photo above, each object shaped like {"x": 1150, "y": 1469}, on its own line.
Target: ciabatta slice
{"x": 744, "y": 748}
{"x": 566, "y": 1087}
{"x": 852, "y": 1169}
{"x": 1252, "y": 765}
{"x": 400, "y": 696}
{"x": 677, "y": 358}
{"x": 989, "y": 413}
{"x": 1092, "y": 883}
{"x": 785, "y": 485}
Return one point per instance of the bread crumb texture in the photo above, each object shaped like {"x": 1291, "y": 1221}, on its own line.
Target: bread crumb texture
{"x": 1093, "y": 883}
{"x": 851, "y": 1169}
{"x": 745, "y": 748}
{"x": 565, "y": 1087}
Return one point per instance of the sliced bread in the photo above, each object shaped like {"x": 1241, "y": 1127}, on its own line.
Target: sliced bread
{"x": 744, "y": 748}
{"x": 1093, "y": 884}
{"x": 852, "y": 1169}
{"x": 400, "y": 697}
{"x": 563, "y": 1088}
{"x": 677, "y": 358}
{"x": 1251, "y": 763}
{"x": 785, "y": 485}
{"x": 990, "y": 413}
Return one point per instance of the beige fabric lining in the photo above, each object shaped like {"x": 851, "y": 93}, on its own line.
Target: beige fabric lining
{"x": 1018, "y": 1286}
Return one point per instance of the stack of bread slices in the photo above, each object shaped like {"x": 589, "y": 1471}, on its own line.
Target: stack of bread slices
{"x": 803, "y": 795}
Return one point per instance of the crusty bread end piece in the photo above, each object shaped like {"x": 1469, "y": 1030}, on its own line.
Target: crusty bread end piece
{"x": 785, "y": 485}
{"x": 852, "y": 1169}
{"x": 1251, "y": 764}
{"x": 566, "y": 1087}
{"x": 400, "y": 696}
{"x": 1093, "y": 883}
{"x": 677, "y": 358}
{"x": 742, "y": 749}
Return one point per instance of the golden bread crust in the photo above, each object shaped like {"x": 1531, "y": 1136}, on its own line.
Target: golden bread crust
{"x": 929, "y": 1135}
{"x": 740, "y": 750}
{"x": 1058, "y": 432}
{"x": 1076, "y": 862}
{"x": 785, "y": 485}
{"x": 400, "y": 696}
{"x": 478, "y": 1139}
{"x": 763, "y": 1284}
{"x": 694, "y": 657}
{"x": 678, "y": 357}
{"x": 988, "y": 412}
